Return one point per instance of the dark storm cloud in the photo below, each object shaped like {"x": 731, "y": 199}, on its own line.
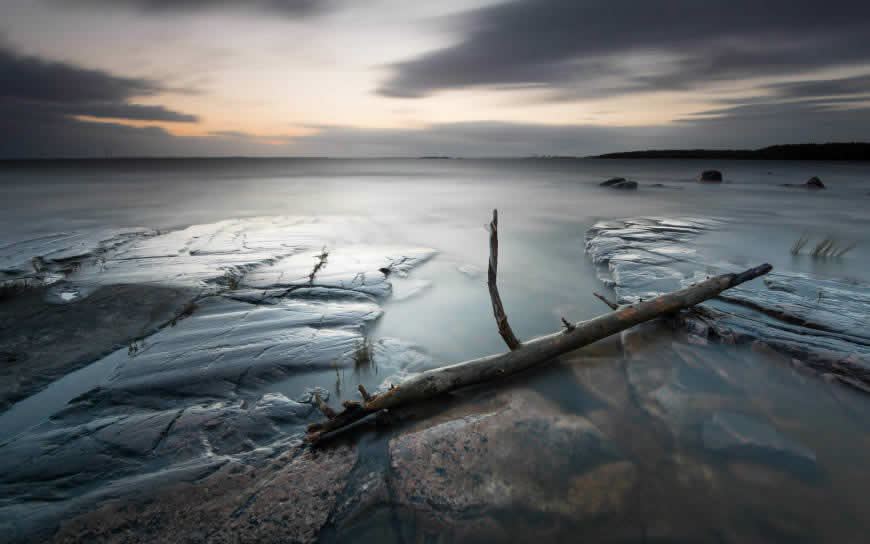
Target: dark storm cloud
{"x": 767, "y": 123}
{"x": 67, "y": 137}
{"x": 41, "y": 101}
{"x": 132, "y": 112}
{"x": 579, "y": 47}
{"x": 823, "y": 87}
{"x": 288, "y": 7}
{"x": 821, "y": 110}
{"x": 30, "y": 78}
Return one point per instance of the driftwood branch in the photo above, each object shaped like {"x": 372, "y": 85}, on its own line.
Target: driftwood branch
{"x": 504, "y": 329}
{"x": 323, "y": 407}
{"x": 539, "y": 350}
{"x": 605, "y": 300}
{"x": 534, "y": 352}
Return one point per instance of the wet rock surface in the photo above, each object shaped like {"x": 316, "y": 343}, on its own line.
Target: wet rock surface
{"x": 625, "y": 186}
{"x": 230, "y": 347}
{"x": 742, "y": 436}
{"x": 43, "y": 339}
{"x": 286, "y": 498}
{"x": 227, "y": 335}
{"x": 194, "y": 436}
{"x": 643, "y": 258}
{"x": 472, "y": 467}
{"x": 620, "y": 184}
{"x": 586, "y": 446}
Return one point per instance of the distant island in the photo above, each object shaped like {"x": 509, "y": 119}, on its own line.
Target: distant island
{"x": 800, "y": 152}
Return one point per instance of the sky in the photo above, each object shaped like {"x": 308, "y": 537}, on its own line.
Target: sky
{"x": 474, "y": 78}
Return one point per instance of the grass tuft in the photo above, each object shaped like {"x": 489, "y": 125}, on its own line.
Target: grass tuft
{"x": 231, "y": 281}
{"x": 799, "y": 244}
{"x": 826, "y": 248}
{"x": 829, "y": 247}
{"x": 187, "y": 311}
{"x": 363, "y": 354}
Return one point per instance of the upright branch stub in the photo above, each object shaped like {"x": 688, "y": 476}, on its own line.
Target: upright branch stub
{"x": 504, "y": 329}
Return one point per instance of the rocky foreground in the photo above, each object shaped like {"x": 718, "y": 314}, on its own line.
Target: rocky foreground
{"x": 208, "y": 344}
{"x": 657, "y": 440}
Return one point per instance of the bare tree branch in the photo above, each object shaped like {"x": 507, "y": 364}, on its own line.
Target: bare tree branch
{"x": 504, "y": 329}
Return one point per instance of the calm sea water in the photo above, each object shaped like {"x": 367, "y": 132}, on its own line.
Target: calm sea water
{"x": 545, "y": 207}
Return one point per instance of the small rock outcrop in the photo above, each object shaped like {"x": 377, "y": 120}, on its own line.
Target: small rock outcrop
{"x": 813, "y": 184}
{"x": 620, "y": 183}
{"x": 625, "y": 186}
{"x": 710, "y": 176}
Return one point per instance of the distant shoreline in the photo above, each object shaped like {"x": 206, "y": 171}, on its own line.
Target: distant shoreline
{"x": 857, "y": 151}
{"x": 804, "y": 152}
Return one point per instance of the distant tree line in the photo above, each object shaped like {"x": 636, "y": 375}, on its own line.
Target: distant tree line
{"x": 801, "y": 152}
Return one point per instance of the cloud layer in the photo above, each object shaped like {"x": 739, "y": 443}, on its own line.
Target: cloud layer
{"x": 594, "y": 47}
{"x": 286, "y": 7}
{"x": 775, "y": 58}
{"x": 31, "y": 87}
{"x": 41, "y": 102}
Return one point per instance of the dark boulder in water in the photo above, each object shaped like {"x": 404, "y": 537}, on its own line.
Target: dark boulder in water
{"x": 814, "y": 184}
{"x": 711, "y": 176}
{"x": 620, "y": 183}
{"x": 625, "y": 186}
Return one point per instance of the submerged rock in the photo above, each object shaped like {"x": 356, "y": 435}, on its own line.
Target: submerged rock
{"x": 737, "y": 435}
{"x": 461, "y": 471}
{"x": 625, "y": 186}
{"x": 712, "y": 176}
{"x": 813, "y": 183}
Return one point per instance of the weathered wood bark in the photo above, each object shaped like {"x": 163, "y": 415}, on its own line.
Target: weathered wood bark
{"x": 536, "y": 351}
{"x": 605, "y": 300}
{"x": 504, "y": 329}
{"x": 323, "y": 407}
